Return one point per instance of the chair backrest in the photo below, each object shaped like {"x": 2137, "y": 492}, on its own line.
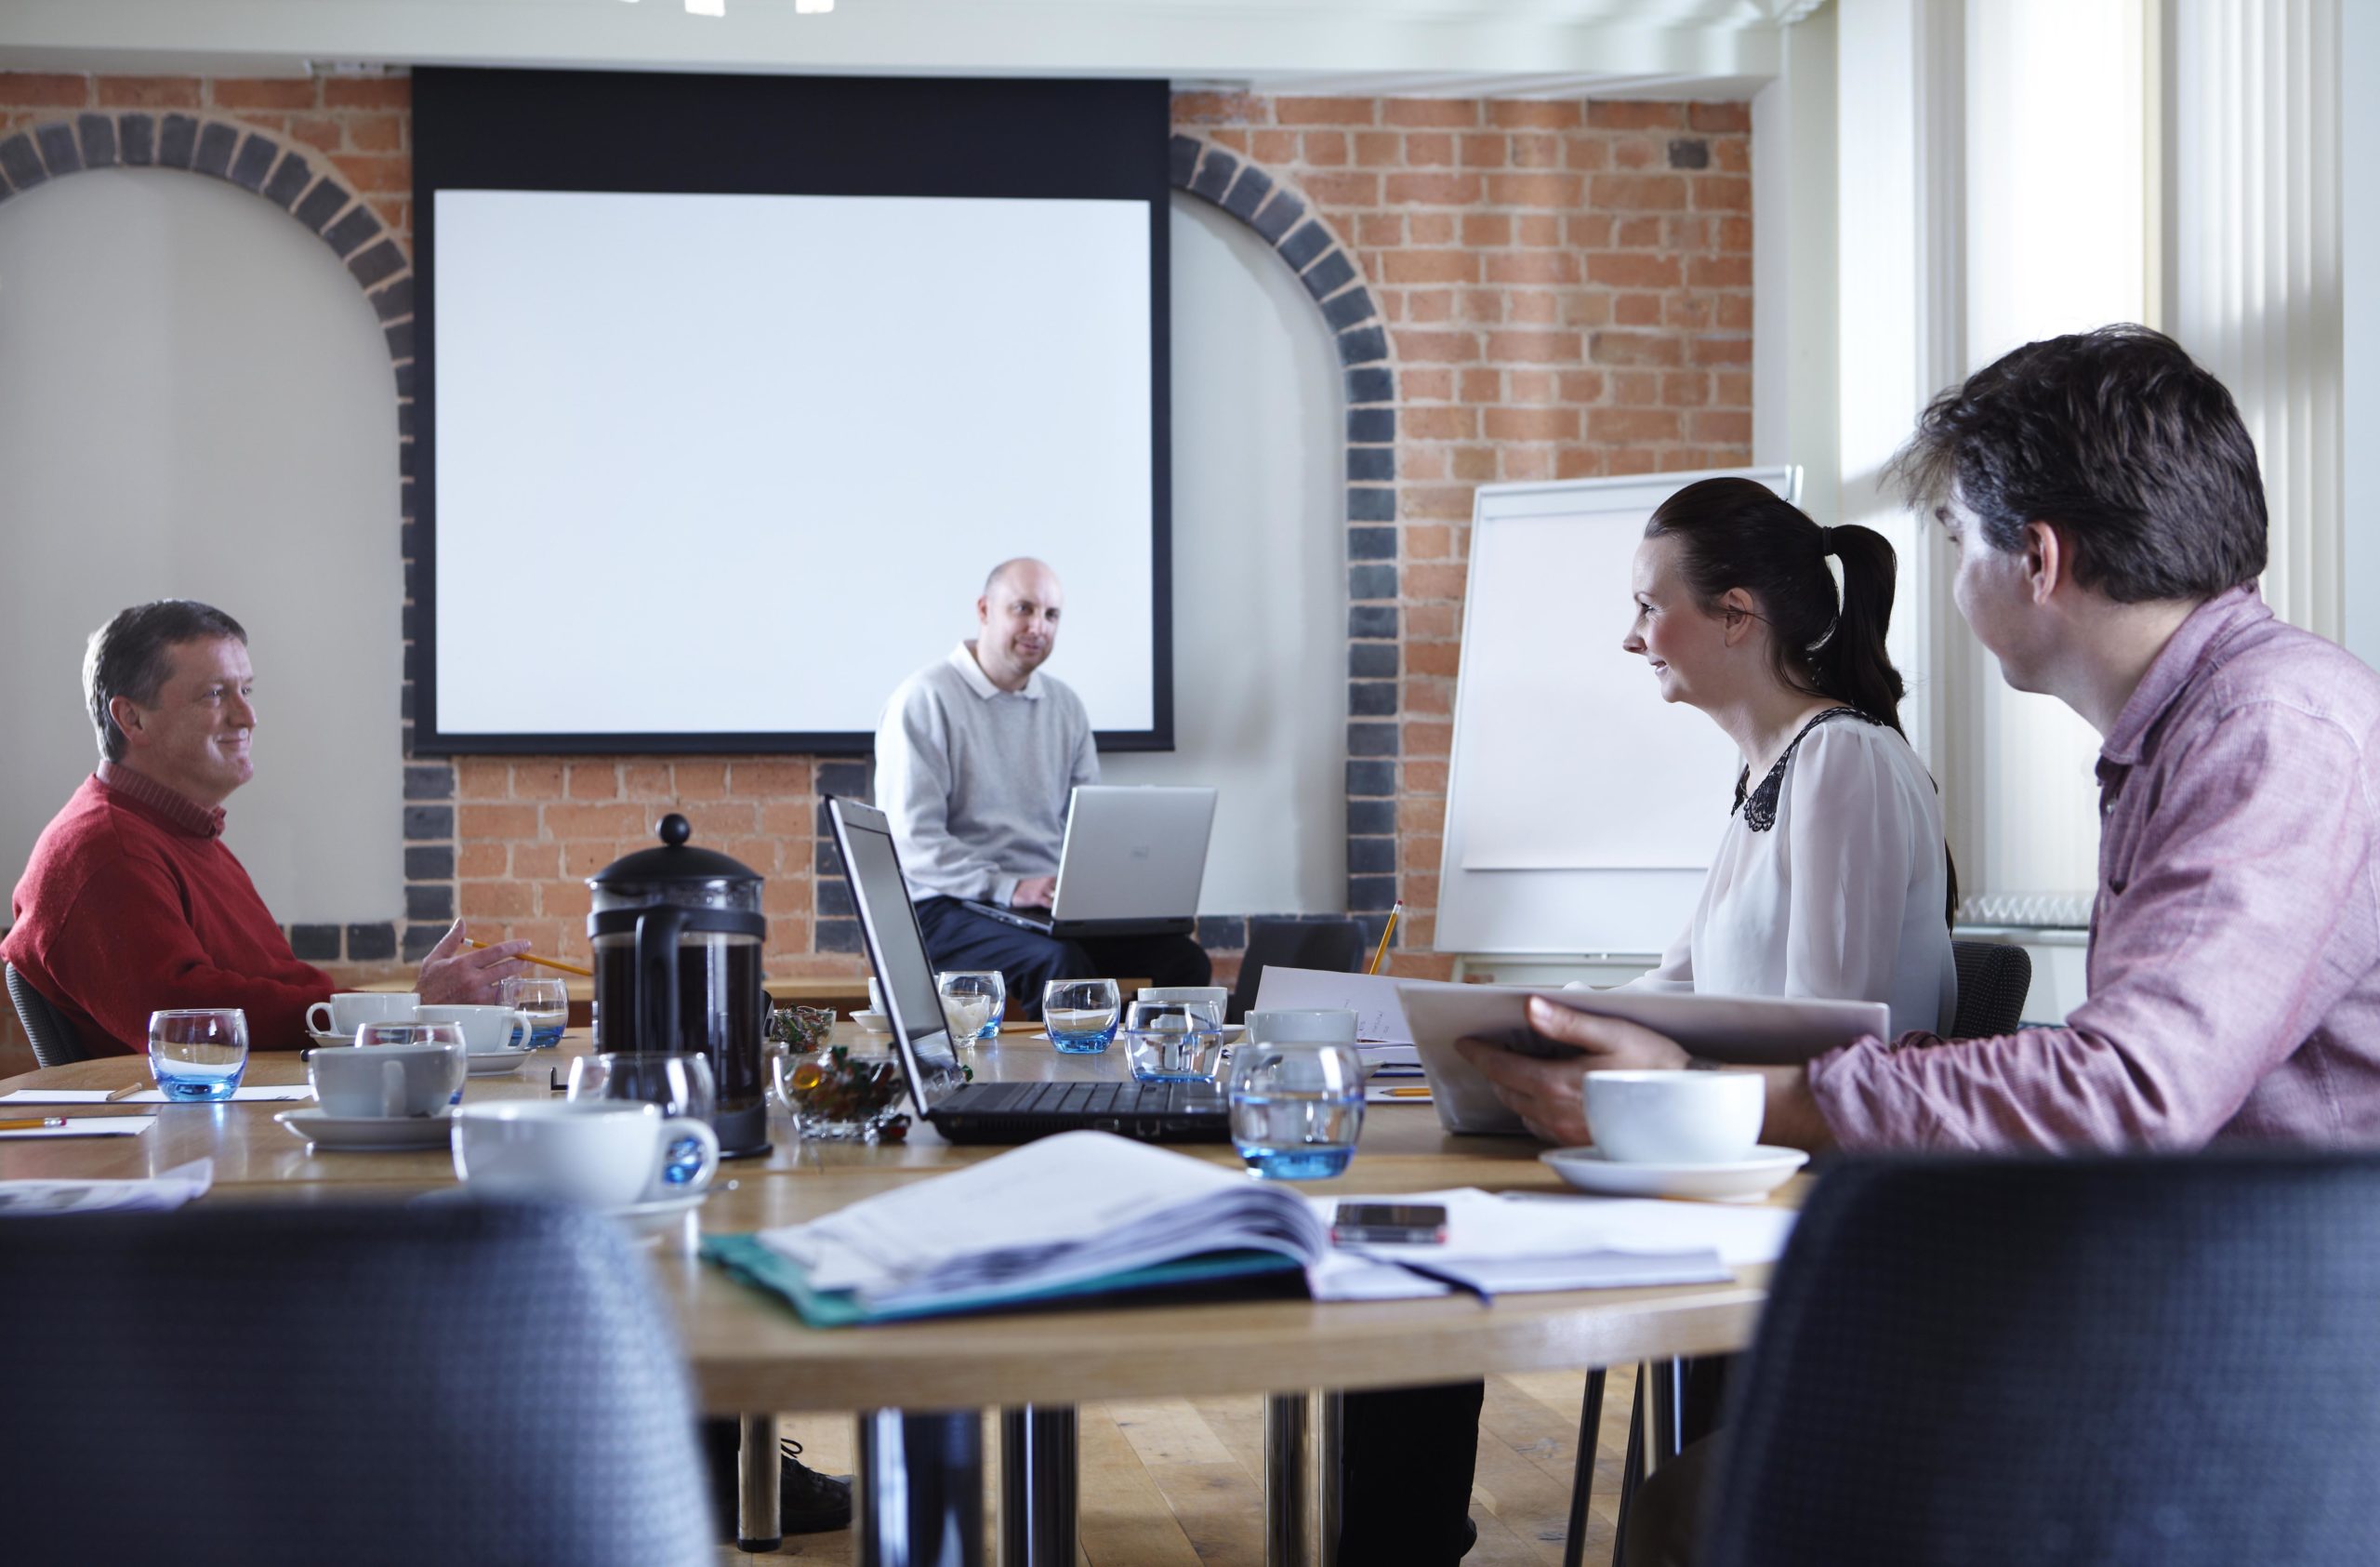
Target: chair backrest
{"x": 1333, "y": 945}
{"x": 1994, "y": 978}
{"x": 434, "y": 1382}
{"x": 53, "y": 1038}
{"x": 2124, "y": 1362}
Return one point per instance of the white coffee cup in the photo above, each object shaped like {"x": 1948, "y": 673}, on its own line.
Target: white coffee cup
{"x": 485, "y": 1029}
{"x": 1218, "y": 994}
{"x": 604, "y": 1152}
{"x": 394, "y": 1079}
{"x": 350, "y": 1010}
{"x": 1305, "y": 1025}
{"x": 1675, "y": 1117}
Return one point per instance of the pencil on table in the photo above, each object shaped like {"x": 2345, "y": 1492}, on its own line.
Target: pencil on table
{"x": 533, "y": 957}
{"x": 28, "y": 1124}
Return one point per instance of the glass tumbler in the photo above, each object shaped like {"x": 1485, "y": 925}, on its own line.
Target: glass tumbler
{"x": 1173, "y": 1040}
{"x": 1297, "y": 1107}
{"x": 198, "y": 1054}
{"x": 973, "y": 1001}
{"x": 546, "y": 1001}
{"x": 681, "y": 1085}
{"x": 1079, "y": 1015}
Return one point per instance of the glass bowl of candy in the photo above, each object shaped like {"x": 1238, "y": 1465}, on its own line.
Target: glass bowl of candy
{"x": 836, "y": 1096}
{"x": 801, "y": 1028}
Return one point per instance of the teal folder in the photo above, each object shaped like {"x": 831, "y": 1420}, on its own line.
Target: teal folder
{"x": 755, "y": 1264}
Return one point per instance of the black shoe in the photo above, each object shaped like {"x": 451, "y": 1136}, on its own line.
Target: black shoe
{"x": 808, "y": 1502}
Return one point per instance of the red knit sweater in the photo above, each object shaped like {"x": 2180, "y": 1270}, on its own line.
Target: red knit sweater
{"x": 131, "y": 904}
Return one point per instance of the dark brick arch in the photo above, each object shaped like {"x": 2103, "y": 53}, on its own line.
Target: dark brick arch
{"x": 1308, "y": 248}
{"x": 289, "y": 178}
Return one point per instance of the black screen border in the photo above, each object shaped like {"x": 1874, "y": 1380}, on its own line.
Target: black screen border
{"x": 635, "y": 131}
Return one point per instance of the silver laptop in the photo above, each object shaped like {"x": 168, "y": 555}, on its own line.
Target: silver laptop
{"x": 1131, "y": 865}
{"x": 988, "y": 1112}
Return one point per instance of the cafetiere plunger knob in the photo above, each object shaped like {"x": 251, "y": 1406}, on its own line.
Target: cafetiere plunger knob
{"x": 676, "y": 829}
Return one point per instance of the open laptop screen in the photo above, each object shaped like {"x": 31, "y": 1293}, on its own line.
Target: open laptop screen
{"x": 895, "y": 946}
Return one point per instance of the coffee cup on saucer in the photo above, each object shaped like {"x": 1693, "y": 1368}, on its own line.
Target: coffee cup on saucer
{"x": 350, "y": 1010}
{"x": 606, "y": 1153}
{"x": 485, "y": 1029}
{"x": 1675, "y": 1117}
{"x": 395, "y": 1080}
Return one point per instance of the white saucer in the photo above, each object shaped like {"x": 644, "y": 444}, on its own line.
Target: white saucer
{"x": 343, "y": 1133}
{"x": 323, "y": 1039}
{"x": 497, "y": 1063}
{"x": 659, "y": 1217}
{"x": 1767, "y": 1169}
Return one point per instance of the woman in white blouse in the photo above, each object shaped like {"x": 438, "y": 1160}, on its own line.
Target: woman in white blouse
{"x": 1833, "y": 879}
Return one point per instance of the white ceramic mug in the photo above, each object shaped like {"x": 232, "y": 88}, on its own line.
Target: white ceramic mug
{"x": 485, "y": 1029}
{"x": 350, "y": 1010}
{"x": 1217, "y": 994}
{"x": 1675, "y": 1117}
{"x": 604, "y": 1152}
{"x": 1304, "y": 1025}
{"x": 394, "y": 1079}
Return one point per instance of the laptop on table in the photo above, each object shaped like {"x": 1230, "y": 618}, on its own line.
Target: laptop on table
{"x": 1131, "y": 865}
{"x": 988, "y": 1112}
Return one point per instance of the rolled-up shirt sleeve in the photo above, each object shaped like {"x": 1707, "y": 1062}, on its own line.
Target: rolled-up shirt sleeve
{"x": 913, "y": 784}
{"x": 2210, "y": 964}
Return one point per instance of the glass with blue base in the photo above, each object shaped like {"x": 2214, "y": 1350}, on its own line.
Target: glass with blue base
{"x": 547, "y": 1003}
{"x": 198, "y": 1054}
{"x": 1080, "y": 1015}
{"x": 1296, "y": 1092}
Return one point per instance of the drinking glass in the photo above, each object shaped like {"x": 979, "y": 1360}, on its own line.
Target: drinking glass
{"x": 1296, "y": 1106}
{"x": 972, "y": 1000}
{"x": 199, "y": 1052}
{"x": 1173, "y": 1040}
{"x": 681, "y": 1085}
{"x": 1079, "y": 1015}
{"x": 371, "y": 1034}
{"x": 546, "y": 1001}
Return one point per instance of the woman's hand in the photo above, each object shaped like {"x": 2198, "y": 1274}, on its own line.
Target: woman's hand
{"x": 1549, "y": 1096}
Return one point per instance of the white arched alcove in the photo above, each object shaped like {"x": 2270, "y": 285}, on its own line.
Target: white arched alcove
{"x": 1260, "y": 572}
{"x": 195, "y": 401}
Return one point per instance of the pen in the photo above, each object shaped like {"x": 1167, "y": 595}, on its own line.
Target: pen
{"x": 1385, "y": 932}
{"x": 533, "y": 957}
{"x": 1407, "y": 1093}
{"x": 31, "y": 1122}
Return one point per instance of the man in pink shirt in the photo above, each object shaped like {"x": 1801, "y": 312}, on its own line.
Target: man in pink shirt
{"x": 2106, "y": 505}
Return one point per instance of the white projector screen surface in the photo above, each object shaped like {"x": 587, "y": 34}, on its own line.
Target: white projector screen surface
{"x": 737, "y": 464}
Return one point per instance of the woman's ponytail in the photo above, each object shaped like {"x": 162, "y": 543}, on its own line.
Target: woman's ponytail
{"x": 1851, "y": 665}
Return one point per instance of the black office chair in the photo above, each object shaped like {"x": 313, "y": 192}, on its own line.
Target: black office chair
{"x": 1994, "y": 978}
{"x": 53, "y": 1038}
{"x": 1336, "y": 945}
{"x": 2124, "y": 1362}
{"x": 439, "y": 1382}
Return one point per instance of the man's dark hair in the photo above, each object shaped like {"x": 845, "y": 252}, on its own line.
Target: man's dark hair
{"x": 127, "y": 656}
{"x": 2135, "y": 454}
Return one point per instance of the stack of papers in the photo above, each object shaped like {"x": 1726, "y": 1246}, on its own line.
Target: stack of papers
{"x": 155, "y": 1195}
{"x": 1088, "y": 1212}
{"x": 245, "y": 1096}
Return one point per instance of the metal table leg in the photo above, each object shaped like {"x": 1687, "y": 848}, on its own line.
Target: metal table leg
{"x": 1037, "y": 1479}
{"x": 1583, "y": 1470}
{"x": 1330, "y": 1431}
{"x": 918, "y": 1497}
{"x": 1664, "y": 1405}
{"x": 1285, "y": 1479}
{"x": 757, "y": 1473}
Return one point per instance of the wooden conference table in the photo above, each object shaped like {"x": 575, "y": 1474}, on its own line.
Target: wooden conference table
{"x": 920, "y": 1386}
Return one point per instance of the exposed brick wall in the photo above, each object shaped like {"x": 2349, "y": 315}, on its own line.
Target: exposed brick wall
{"x": 1565, "y": 291}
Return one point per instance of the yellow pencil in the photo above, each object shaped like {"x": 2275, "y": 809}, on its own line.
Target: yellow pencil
{"x": 533, "y": 957}
{"x": 1386, "y": 931}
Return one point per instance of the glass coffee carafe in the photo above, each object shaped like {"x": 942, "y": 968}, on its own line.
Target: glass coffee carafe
{"x": 677, "y": 932}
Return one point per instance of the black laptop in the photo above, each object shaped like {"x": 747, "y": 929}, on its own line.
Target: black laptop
{"x": 988, "y": 1112}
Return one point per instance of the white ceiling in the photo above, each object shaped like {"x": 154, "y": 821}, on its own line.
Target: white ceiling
{"x": 1415, "y": 48}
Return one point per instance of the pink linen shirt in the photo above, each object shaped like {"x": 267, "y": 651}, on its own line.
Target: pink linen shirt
{"x": 2234, "y": 968}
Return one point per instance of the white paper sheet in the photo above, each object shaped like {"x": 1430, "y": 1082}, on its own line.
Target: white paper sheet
{"x": 90, "y": 1126}
{"x": 239, "y": 1096}
{"x": 157, "y": 1194}
{"x": 1380, "y": 1016}
{"x": 58, "y": 1097}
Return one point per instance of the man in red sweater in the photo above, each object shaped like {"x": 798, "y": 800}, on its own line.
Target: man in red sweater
{"x": 131, "y": 903}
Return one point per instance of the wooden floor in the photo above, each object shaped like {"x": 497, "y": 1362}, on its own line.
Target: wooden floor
{"x": 1180, "y": 1481}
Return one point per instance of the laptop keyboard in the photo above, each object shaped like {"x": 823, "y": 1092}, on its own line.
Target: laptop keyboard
{"x": 1090, "y": 1098}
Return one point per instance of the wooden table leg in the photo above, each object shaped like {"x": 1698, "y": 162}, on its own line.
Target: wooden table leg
{"x": 1037, "y": 1485}
{"x": 917, "y": 1500}
{"x": 756, "y": 1474}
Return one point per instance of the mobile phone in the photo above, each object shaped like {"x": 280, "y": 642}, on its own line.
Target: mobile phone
{"x": 1404, "y": 1224}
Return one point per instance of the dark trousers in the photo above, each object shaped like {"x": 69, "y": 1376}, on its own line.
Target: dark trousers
{"x": 957, "y": 936}
{"x": 1405, "y": 1457}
